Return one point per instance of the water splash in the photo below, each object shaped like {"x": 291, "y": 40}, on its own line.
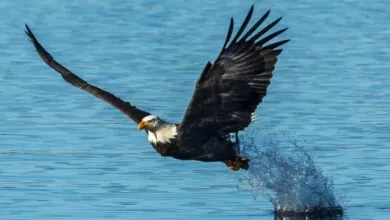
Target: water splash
{"x": 286, "y": 174}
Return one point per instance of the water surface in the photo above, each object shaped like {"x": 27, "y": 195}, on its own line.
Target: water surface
{"x": 66, "y": 155}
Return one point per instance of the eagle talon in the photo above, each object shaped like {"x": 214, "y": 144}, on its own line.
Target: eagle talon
{"x": 239, "y": 163}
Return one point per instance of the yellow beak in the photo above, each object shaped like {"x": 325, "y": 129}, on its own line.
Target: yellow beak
{"x": 141, "y": 125}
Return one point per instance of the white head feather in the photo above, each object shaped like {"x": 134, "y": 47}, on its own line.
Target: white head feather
{"x": 159, "y": 131}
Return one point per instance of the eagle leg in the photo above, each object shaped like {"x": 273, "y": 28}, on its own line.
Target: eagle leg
{"x": 237, "y": 144}
{"x": 240, "y": 162}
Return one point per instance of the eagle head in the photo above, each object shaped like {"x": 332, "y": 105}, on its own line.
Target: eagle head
{"x": 159, "y": 131}
{"x": 150, "y": 122}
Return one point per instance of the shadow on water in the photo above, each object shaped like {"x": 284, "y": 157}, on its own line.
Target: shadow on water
{"x": 286, "y": 175}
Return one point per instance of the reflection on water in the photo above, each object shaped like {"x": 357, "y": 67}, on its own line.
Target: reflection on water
{"x": 308, "y": 218}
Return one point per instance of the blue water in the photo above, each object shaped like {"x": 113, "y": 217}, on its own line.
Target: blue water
{"x": 66, "y": 155}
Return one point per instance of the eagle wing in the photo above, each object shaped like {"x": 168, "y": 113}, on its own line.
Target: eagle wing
{"x": 130, "y": 110}
{"x": 228, "y": 91}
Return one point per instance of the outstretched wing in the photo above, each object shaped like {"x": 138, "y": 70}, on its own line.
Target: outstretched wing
{"x": 228, "y": 91}
{"x": 134, "y": 113}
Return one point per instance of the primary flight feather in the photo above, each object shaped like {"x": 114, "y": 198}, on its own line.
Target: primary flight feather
{"x": 226, "y": 96}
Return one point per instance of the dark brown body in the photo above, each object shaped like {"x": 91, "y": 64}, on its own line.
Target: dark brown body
{"x": 214, "y": 150}
{"x": 217, "y": 149}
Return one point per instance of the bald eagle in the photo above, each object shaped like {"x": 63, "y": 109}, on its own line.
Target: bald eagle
{"x": 226, "y": 96}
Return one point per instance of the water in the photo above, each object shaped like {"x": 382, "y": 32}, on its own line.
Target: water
{"x": 287, "y": 175}
{"x": 66, "y": 155}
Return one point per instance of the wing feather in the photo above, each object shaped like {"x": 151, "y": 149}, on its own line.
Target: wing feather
{"x": 228, "y": 91}
{"x": 244, "y": 24}
{"x": 255, "y": 26}
{"x": 229, "y": 35}
{"x": 265, "y": 30}
{"x": 130, "y": 110}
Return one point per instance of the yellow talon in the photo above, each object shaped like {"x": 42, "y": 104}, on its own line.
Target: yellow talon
{"x": 239, "y": 163}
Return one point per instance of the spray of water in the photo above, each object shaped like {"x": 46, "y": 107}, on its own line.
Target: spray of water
{"x": 286, "y": 174}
